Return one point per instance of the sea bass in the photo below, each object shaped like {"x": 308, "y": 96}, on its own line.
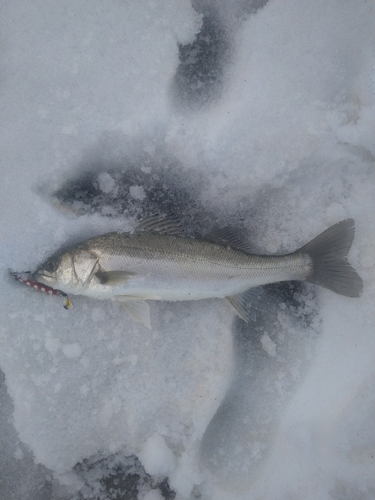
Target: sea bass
{"x": 158, "y": 263}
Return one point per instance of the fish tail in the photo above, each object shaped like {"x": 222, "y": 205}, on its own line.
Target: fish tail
{"x": 330, "y": 267}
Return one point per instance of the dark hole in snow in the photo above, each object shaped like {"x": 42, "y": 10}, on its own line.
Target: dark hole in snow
{"x": 118, "y": 477}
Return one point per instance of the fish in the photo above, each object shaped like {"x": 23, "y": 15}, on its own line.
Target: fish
{"x": 158, "y": 262}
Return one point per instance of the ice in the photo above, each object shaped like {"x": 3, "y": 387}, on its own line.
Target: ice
{"x": 257, "y": 115}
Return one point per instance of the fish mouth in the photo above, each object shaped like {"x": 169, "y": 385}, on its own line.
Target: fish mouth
{"x": 44, "y": 278}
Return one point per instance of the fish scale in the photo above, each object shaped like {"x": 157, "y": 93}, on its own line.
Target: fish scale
{"x": 188, "y": 270}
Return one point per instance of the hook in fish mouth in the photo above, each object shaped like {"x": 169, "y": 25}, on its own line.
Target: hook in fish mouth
{"x": 28, "y": 279}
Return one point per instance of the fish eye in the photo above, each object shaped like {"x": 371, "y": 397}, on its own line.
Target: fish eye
{"x": 51, "y": 266}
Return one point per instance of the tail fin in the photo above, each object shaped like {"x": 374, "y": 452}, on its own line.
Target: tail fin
{"x": 330, "y": 266}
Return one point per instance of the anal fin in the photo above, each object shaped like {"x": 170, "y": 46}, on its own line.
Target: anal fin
{"x": 245, "y": 304}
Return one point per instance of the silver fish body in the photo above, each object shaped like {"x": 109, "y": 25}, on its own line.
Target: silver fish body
{"x": 155, "y": 265}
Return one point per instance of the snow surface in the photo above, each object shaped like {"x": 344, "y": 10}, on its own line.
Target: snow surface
{"x": 259, "y": 115}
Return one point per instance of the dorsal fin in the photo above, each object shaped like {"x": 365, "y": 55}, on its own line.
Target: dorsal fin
{"x": 231, "y": 237}
{"x": 169, "y": 225}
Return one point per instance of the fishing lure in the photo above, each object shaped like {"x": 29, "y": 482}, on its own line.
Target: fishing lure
{"x": 27, "y": 279}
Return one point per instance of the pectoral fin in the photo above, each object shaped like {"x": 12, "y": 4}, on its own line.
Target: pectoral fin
{"x": 114, "y": 277}
{"x": 245, "y": 304}
{"x": 137, "y": 309}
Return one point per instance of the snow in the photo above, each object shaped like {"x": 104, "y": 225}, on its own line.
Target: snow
{"x": 257, "y": 115}
{"x": 156, "y": 457}
{"x": 137, "y": 192}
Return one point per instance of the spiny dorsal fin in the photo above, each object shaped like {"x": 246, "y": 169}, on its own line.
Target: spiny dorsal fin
{"x": 245, "y": 304}
{"x": 169, "y": 225}
{"x": 232, "y": 237}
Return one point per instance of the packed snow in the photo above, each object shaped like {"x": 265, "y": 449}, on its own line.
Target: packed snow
{"x": 258, "y": 115}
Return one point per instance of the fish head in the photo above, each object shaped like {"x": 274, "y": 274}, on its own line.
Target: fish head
{"x": 69, "y": 272}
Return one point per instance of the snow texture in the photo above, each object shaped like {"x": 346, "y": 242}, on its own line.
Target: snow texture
{"x": 257, "y": 115}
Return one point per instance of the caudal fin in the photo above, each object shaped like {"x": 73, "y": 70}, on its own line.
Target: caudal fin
{"x": 330, "y": 266}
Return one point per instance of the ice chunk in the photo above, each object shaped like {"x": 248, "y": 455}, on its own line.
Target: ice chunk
{"x": 156, "y": 457}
